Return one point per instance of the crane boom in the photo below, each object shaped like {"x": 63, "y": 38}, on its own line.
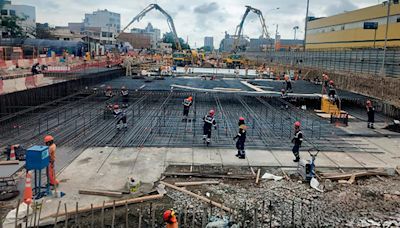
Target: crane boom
{"x": 239, "y": 27}
{"x": 170, "y": 22}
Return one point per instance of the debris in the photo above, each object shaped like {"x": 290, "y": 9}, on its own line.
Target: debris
{"x": 16, "y": 162}
{"x": 9, "y": 221}
{"x": 341, "y": 176}
{"x": 398, "y": 170}
{"x": 100, "y": 193}
{"x": 258, "y": 176}
{"x": 161, "y": 189}
{"x": 181, "y": 184}
{"x": 315, "y": 184}
{"x": 206, "y": 175}
{"x": 208, "y": 194}
{"x": 197, "y": 196}
{"x": 271, "y": 177}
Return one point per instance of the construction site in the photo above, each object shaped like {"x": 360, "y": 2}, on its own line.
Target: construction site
{"x": 188, "y": 139}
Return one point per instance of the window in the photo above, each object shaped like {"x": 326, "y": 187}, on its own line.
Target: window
{"x": 398, "y": 20}
{"x": 12, "y": 12}
{"x": 103, "y": 34}
{"x": 342, "y": 27}
{"x": 4, "y": 12}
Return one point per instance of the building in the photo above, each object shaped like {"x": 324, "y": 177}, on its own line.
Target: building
{"x": 209, "y": 42}
{"x": 153, "y": 33}
{"x": 226, "y": 44}
{"x": 346, "y": 30}
{"x": 64, "y": 33}
{"x": 108, "y": 22}
{"x": 27, "y": 13}
{"x": 137, "y": 41}
{"x": 165, "y": 48}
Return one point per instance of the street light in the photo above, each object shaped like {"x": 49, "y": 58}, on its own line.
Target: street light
{"x": 295, "y": 28}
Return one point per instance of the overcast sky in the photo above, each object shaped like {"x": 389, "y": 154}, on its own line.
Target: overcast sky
{"x": 198, "y": 18}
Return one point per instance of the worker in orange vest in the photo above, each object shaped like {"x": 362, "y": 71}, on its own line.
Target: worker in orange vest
{"x": 170, "y": 218}
{"x": 49, "y": 141}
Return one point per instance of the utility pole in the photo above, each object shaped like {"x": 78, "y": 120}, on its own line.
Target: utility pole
{"x": 383, "y": 73}
{"x": 295, "y": 28}
{"x": 305, "y": 26}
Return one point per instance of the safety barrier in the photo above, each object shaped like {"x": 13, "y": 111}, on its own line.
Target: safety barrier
{"x": 23, "y": 83}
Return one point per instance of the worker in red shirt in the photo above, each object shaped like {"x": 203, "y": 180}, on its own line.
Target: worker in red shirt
{"x": 49, "y": 141}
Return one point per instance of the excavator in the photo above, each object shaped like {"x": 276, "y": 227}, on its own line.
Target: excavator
{"x": 180, "y": 57}
{"x": 237, "y": 60}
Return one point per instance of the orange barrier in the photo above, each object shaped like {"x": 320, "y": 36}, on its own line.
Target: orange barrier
{"x": 1, "y": 86}
{"x": 30, "y": 82}
{"x": 28, "y": 188}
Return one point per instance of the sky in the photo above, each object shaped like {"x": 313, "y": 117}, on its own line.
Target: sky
{"x": 195, "y": 19}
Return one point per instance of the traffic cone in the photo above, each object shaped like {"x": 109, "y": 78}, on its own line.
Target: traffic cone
{"x": 28, "y": 188}
{"x": 12, "y": 153}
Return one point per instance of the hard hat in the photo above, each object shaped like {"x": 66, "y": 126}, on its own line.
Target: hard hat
{"x": 190, "y": 98}
{"x": 331, "y": 82}
{"x": 286, "y": 77}
{"x": 282, "y": 90}
{"x": 297, "y": 124}
{"x": 123, "y": 87}
{"x": 326, "y": 77}
{"x": 116, "y": 106}
{"x": 169, "y": 216}
{"x": 108, "y": 87}
{"x": 212, "y": 112}
{"x": 369, "y": 102}
{"x": 48, "y": 138}
{"x": 241, "y": 118}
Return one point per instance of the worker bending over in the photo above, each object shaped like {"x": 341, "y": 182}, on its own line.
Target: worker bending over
{"x": 125, "y": 96}
{"x": 120, "y": 116}
{"x": 209, "y": 122}
{"x": 297, "y": 140}
{"x": 241, "y": 139}
{"x": 371, "y": 114}
{"x": 170, "y": 218}
{"x": 186, "y": 107}
{"x": 49, "y": 141}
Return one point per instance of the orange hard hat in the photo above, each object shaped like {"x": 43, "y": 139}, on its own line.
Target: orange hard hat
{"x": 241, "y": 118}
{"x": 331, "y": 82}
{"x": 297, "y": 124}
{"x": 116, "y": 106}
{"x": 48, "y": 138}
{"x": 212, "y": 112}
{"x": 169, "y": 216}
{"x": 190, "y": 98}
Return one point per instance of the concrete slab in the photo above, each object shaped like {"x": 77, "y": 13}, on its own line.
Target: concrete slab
{"x": 206, "y": 156}
{"x": 149, "y": 164}
{"x": 322, "y": 160}
{"x": 369, "y": 160}
{"x": 179, "y": 156}
{"x": 229, "y": 159}
{"x": 261, "y": 158}
{"x": 284, "y": 158}
{"x": 343, "y": 159}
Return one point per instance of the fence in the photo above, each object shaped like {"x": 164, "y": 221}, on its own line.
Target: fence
{"x": 365, "y": 61}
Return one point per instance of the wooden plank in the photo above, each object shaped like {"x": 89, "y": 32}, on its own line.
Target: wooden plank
{"x": 181, "y": 184}
{"x": 205, "y": 199}
{"x": 100, "y": 193}
{"x": 16, "y": 162}
{"x": 258, "y": 176}
{"x": 398, "y": 170}
{"x": 357, "y": 174}
{"x": 110, "y": 204}
{"x": 205, "y": 175}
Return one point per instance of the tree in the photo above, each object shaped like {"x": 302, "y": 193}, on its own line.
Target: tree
{"x": 205, "y": 48}
{"x": 169, "y": 38}
{"x": 11, "y": 26}
{"x": 43, "y": 31}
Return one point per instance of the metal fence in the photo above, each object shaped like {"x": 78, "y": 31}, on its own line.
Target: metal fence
{"x": 365, "y": 61}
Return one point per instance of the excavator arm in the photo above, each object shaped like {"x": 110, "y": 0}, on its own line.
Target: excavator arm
{"x": 239, "y": 28}
{"x": 169, "y": 21}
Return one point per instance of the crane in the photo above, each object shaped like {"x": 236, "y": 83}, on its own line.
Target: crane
{"x": 169, "y": 20}
{"x": 239, "y": 28}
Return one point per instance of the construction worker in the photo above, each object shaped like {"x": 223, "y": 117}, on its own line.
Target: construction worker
{"x": 241, "y": 139}
{"x": 125, "y": 96}
{"x": 128, "y": 65}
{"x": 49, "y": 141}
{"x": 209, "y": 122}
{"x": 120, "y": 116}
{"x": 297, "y": 140}
{"x": 332, "y": 92}
{"x": 186, "y": 107}
{"x": 283, "y": 94}
{"x": 371, "y": 114}
{"x": 288, "y": 83}
{"x": 170, "y": 218}
{"x": 325, "y": 85}
{"x": 108, "y": 92}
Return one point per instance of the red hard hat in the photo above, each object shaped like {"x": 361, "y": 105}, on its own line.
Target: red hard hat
{"x": 169, "y": 216}
{"x": 326, "y": 77}
{"x": 297, "y": 124}
{"x": 212, "y": 112}
{"x": 241, "y": 118}
{"x": 369, "y": 102}
{"x": 331, "y": 82}
{"x": 190, "y": 98}
{"x": 116, "y": 106}
{"x": 48, "y": 138}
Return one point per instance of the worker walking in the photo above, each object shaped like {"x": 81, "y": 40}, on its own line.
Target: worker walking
{"x": 325, "y": 83}
{"x": 125, "y": 96}
{"x": 209, "y": 122}
{"x": 108, "y": 93}
{"x": 186, "y": 107}
{"x": 288, "y": 84}
{"x": 297, "y": 140}
{"x": 169, "y": 218}
{"x": 128, "y": 66}
{"x": 241, "y": 139}
{"x": 120, "y": 116}
{"x": 49, "y": 141}
{"x": 371, "y": 114}
{"x": 332, "y": 92}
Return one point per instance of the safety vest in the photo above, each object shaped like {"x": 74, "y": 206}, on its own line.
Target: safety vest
{"x": 209, "y": 119}
{"x": 124, "y": 92}
{"x": 187, "y": 102}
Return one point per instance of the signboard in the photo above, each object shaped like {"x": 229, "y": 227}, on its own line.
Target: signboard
{"x": 371, "y": 25}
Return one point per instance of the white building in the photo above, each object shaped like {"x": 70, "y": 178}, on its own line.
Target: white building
{"x": 153, "y": 33}
{"x": 209, "y": 42}
{"x": 108, "y": 22}
{"x": 27, "y": 13}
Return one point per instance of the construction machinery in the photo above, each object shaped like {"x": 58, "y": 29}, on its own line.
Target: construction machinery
{"x": 235, "y": 60}
{"x": 169, "y": 21}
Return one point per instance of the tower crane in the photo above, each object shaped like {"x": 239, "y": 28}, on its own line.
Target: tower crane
{"x": 169, "y": 20}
